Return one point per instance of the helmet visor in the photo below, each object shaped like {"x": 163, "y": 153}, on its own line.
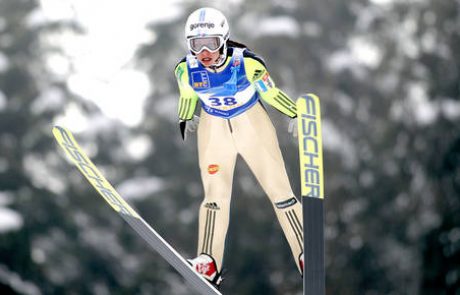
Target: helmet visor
{"x": 198, "y": 44}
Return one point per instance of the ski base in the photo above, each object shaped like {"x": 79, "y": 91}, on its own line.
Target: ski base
{"x": 314, "y": 272}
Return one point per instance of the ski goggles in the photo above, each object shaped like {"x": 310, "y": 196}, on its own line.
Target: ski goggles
{"x": 198, "y": 44}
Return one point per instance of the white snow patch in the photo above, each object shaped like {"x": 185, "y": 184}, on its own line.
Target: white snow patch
{"x": 73, "y": 118}
{"x": 391, "y": 2}
{"x": 187, "y": 216}
{"x": 290, "y": 5}
{"x": 101, "y": 58}
{"x": 365, "y": 52}
{"x": 335, "y": 140}
{"x": 139, "y": 147}
{"x": 59, "y": 64}
{"x": 119, "y": 97}
{"x": 383, "y": 2}
{"x": 451, "y": 108}
{"x": 312, "y": 29}
{"x": 356, "y": 242}
{"x": 16, "y": 283}
{"x": 428, "y": 41}
{"x": 140, "y": 187}
{"x": 57, "y": 10}
{"x": 405, "y": 35}
{"x": 4, "y": 63}
{"x": 424, "y": 111}
{"x": 2, "y": 24}
{"x": 3, "y": 165}
{"x": 397, "y": 110}
{"x": 38, "y": 255}
{"x": 36, "y": 18}
{"x": 345, "y": 102}
{"x": 340, "y": 60}
{"x": 3, "y": 101}
{"x": 50, "y": 99}
{"x": 359, "y": 52}
{"x": 167, "y": 107}
{"x": 10, "y": 220}
{"x": 5, "y": 198}
{"x": 280, "y": 25}
{"x": 42, "y": 175}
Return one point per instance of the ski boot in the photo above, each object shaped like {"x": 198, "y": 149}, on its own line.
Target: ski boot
{"x": 301, "y": 263}
{"x": 207, "y": 268}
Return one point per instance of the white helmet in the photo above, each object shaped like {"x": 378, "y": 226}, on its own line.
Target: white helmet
{"x": 207, "y": 28}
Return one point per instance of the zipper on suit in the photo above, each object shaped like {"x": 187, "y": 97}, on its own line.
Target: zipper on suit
{"x": 230, "y": 125}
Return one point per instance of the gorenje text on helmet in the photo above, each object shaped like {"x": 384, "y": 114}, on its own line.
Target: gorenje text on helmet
{"x": 202, "y": 25}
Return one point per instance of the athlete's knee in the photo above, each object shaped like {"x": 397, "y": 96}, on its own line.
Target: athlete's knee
{"x": 217, "y": 195}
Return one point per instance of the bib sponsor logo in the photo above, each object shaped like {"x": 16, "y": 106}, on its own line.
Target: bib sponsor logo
{"x": 213, "y": 169}
{"x": 200, "y": 80}
{"x": 265, "y": 83}
{"x": 192, "y": 61}
{"x": 267, "y": 80}
{"x": 237, "y": 62}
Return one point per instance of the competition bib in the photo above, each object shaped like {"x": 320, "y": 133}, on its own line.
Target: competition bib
{"x": 225, "y": 94}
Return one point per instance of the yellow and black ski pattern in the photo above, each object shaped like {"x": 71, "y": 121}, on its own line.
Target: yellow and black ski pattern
{"x": 312, "y": 190}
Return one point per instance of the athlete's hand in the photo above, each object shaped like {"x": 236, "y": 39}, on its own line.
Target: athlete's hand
{"x": 192, "y": 125}
{"x": 188, "y": 126}
{"x": 292, "y": 128}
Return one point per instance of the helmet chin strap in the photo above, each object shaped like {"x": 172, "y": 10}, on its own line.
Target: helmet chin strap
{"x": 220, "y": 61}
{"x": 222, "y": 58}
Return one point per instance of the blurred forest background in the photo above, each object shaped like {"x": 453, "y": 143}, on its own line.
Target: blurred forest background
{"x": 387, "y": 73}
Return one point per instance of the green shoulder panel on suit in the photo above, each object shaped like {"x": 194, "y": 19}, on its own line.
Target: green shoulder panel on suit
{"x": 259, "y": 76}
{"x": 188, "y": 98}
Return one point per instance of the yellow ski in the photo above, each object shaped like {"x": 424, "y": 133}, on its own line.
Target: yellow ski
{"x": 78, "y": 157}
{"x": 90, "y": 171}
{"x": 312, "y": 189}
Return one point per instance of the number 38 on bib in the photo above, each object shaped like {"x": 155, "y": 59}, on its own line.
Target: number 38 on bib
{"x": 222, "y": 101}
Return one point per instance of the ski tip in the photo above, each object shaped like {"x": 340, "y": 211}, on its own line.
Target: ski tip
{"x": 57, "y": 129}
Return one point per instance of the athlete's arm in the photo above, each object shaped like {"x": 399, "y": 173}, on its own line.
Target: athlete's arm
{"x": 188, "y": 97}
{"x": 259, "y": 76}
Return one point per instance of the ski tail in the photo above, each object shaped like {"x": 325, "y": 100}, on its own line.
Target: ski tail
{"x": 79, "y": 158}
{"x": 312, "y": 190}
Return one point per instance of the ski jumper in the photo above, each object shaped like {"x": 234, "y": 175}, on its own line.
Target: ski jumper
{"x": 233, "y": 122}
